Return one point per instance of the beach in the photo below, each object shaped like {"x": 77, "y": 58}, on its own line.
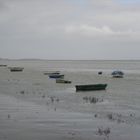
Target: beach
{"x": 35, "y": 107}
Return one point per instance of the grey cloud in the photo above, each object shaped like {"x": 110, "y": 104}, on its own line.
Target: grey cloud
{"x": 61, "y": 29}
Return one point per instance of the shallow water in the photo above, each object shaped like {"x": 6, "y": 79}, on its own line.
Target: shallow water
{"x": 31, "y": 97}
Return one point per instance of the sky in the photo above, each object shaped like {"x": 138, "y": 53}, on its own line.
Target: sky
{"x": 70, "y": 29}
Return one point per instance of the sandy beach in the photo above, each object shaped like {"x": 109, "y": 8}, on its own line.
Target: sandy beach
{"x": 35, "y": 107}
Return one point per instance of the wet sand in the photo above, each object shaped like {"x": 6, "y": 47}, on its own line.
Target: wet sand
{"x": 34, "y": 107}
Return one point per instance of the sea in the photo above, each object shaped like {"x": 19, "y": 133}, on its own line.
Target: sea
{"x": 117, "y": 107}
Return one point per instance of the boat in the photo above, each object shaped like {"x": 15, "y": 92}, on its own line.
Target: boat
{"x": 91, "y": 87}
{"x": 16, "y": 69}
{"x": 51, "y": 72}
{"x": 56, "y": 76}
{"x": 100, "y": 73}
{"x": 117, "y": 74}
{"x": 63, "y": 81}
{"x": 2, "y": 65}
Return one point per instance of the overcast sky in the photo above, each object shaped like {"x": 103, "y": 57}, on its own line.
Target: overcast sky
{"x": 70, "y": 29}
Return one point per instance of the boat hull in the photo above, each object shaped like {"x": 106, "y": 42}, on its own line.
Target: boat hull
{"x": 91, "y": 87}
{"x": 56, "y": 76}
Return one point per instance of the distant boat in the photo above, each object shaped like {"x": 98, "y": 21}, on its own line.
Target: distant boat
{"x": 2, "y": 65}
{"x": 117, "y": 74}
{"x": 51, "y": 72}
{"x": 56, "y": 76}
{"x": 16, "y": 69}
{"x": 63, "y": 81}
{"x": 91, "y": 87}
{"x": 100, "y": 73}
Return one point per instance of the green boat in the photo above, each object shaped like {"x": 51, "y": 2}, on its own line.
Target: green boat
{"x": 63, "y": 81}
{"x": 91, "y": 87}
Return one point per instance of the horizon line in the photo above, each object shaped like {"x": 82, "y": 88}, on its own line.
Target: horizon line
{"x": 43, "y": 59}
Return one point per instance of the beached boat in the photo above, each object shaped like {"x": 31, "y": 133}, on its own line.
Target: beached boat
{"x": 56, "y": 76}
{"x": 117, "y": 74}
{"x": 91, "y": 87}
{"x": 16, "y": 69}
{"x": 63, "y": 81}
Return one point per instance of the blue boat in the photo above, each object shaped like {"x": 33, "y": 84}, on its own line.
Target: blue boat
{"x": 56, "y": 76}
{"x": 117, "y": 74}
